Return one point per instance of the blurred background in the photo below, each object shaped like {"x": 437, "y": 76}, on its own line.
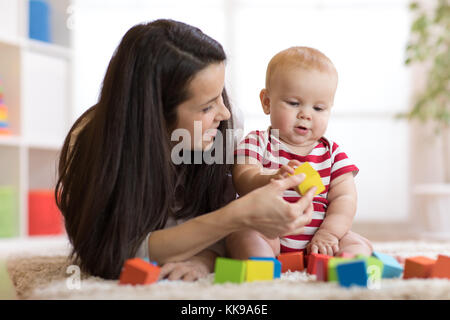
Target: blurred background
{"x": 54, "y": 53}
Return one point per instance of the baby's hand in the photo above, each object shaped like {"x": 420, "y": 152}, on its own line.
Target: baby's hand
{"x": 323, "y": 242}
{"x": 286, "y": 169}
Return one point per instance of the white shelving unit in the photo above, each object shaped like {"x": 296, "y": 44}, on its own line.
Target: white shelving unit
{"x": 37, "y": 86}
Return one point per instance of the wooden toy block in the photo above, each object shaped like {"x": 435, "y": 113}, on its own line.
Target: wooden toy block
{"x": 321, "y": 269}
{"x": 418, "y": 267}
{"x": 332, "y": 264}
{"x": 442, "y": 267}
{"x": 312, "y": 261}
{"x": 259, "y": 270}
{"x": 352, "y": 274}
{"x": 312, "y": 179}
{"x": 374, "y": 268}
{"x": 148, "y": 260}
{"x": 7, "y": 291}
{"x": 391, "y": 267}
{"x": 292, "y": 261}
{"x": 346, "y": 255}
{"x": 44, "y": 217}
{"x": 229, "y": 270}
{"x": 276, "y": 265}
{"x": 137, "y": 271}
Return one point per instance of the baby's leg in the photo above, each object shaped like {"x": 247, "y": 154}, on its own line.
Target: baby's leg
{"x": 355, "y": 244}
{"x": 250, "y": 243}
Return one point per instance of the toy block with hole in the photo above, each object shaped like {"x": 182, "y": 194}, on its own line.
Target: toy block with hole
{"x": 391, "y": 267}
{"x": 352, "y": 273}
{"x": 312, "y": 261}
{"x": 418, "y": 267}
{"x": 276, "y": 265}
{"x": 229, "y": 270}
{"x": 374, "y": 267}
{"x": 332, "y": 264}
{"x": 137, "y": 271}
{"x": 312, "y": 179}
{"x": 259, "y": 270}
{"x": 442, "y": 267}
{"x": 321, "y": 268}
{"x": 292, "y": 261}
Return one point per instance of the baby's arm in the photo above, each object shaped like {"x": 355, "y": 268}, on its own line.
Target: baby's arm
{"x": 338, "y": 220}
{"x": 252, "y": 175}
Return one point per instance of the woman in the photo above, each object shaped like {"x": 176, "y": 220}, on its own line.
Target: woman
{"x": 119, "y": 189}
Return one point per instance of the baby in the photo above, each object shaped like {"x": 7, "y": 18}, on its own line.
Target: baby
{"x": 300, "y": 87}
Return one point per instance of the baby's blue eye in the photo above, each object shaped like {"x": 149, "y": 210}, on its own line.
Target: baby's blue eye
{"x": 318, "y": 108}
{"x": 293, "y": 103}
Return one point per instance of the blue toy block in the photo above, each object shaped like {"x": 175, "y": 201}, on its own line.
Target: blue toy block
{"x": 392, "y": 269}
{"x": 39, "y": 20}
{"x": 276, "y": 266}
{"x": 352, "y": 273}
{"x": 151, "y": 262}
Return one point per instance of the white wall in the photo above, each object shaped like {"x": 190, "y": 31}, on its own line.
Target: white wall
{"x": 365, "y": 39}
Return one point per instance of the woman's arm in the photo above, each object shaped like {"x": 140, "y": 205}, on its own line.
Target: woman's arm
{"x": 263, "y": 210}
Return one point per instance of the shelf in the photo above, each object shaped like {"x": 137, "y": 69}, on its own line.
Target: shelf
{"x": 37, "y": 90}
{"x": 47, "y": 48}
{"x": 14, "y": 141}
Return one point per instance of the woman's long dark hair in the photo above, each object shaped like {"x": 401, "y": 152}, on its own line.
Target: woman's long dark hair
{"x": 116, "y": 181}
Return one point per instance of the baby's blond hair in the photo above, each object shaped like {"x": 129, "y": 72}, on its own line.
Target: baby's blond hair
{"x": 304, "y": 57}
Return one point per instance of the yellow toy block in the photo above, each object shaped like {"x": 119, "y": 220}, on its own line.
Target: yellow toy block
{"x": 312, "y": 179}
{"x": 259, "y": 270}
{"x": 3, "y": 114}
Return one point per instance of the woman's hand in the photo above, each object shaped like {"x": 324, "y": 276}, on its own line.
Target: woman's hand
{"x": 197, "y": 267}
{"x": 265, "y": 210}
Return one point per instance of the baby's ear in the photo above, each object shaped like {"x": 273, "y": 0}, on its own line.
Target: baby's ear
{"x": 265, "y": 100}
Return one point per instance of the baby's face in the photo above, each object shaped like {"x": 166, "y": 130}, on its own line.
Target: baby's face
{"x": 299, "y": 102}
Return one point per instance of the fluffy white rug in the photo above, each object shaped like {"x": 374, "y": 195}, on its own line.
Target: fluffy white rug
{"x": 43, "y": 274}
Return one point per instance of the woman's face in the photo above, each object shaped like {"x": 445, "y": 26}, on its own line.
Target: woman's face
{"x": 201, "y": 114}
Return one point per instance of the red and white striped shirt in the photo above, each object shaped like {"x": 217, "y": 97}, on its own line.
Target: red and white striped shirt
{"x": 327, "y": 158}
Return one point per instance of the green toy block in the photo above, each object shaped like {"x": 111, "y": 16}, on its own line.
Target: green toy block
{"x": 7, "y": 291}
{"x": 332, "y": 264}
{"x": 229, "y": 270}
{"x": 375, "y": 268}
{"x": 9, "y": 213}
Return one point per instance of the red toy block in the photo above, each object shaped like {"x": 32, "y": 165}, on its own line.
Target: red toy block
{"x": 137, "y": 271}
{"x": 322, "y": 268}
{"x": 44, "y": 217}
{"x": 442, "y": 267}
{"x": 347, "y": 255}
{"x": 312, "y": 261}
{"x": 418, "y": 267}
{"x": 291, "y": 261}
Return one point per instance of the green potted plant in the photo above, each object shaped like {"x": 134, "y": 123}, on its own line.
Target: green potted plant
{"x": 429, "y": 48}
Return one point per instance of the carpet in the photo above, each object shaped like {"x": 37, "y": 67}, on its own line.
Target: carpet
{"x": 47, "y": 275}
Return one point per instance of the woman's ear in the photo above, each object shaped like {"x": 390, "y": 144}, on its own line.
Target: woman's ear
{"x": 265, "y": 100}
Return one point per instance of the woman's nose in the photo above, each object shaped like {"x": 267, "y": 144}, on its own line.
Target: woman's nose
{"x": 223, "y": 113}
